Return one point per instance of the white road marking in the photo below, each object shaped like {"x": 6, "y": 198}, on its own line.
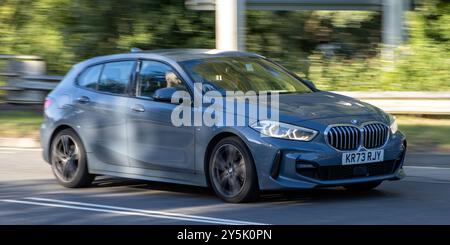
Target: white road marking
{"x": 128, "y": 211}
{"x": 6, "y": 152}
{"x": 20, "y": 149}
{"x": 140, "y": 210}
{"x": 426, "y": 167}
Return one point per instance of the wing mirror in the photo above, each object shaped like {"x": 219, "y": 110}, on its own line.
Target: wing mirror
{"x": 165, "y": 95}
{"x": 310, "y": 84}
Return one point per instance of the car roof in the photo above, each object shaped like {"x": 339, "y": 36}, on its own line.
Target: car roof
{"x": 176, "y": 55}
{"x": 189, "y": 54}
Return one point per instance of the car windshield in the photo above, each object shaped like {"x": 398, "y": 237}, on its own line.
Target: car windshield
{"x": 242, "y": 74}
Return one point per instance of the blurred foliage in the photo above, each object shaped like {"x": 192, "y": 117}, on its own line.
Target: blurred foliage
{"x": 339, "y": 50}
{"x": 422, "y": 64}
{"x": 292, "y": 37}
{"x": 64, "y": 32}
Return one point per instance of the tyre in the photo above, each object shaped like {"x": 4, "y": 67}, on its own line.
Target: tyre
{"x": 68, "y": 160}
{"x": 232, "y": 172}
{"x": 363, "y": 186}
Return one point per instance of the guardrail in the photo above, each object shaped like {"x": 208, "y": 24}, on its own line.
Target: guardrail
{"x": 420, "y": 103}
{"x": 28, "y": 89}
{"x": 25, "y": 80}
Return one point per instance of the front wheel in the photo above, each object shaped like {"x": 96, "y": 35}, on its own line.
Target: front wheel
{"x": 68, "y": 159}
{"x": 363, "y": 186}
{"x": 232, "y": 171}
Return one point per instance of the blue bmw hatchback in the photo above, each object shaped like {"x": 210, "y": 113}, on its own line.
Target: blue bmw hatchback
{"x": 113, "y": 115}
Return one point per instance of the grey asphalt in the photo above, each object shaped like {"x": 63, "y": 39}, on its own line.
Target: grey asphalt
{"x": 30, "y": 195}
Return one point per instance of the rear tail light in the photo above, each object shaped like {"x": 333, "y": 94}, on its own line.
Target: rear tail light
{"x": 48, "y": 102}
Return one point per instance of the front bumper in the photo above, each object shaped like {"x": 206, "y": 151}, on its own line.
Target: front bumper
{"x": 280, "y": 163}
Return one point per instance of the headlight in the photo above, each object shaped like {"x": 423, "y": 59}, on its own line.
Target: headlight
{"x": 393, "y": 124}
{"x": 283, "y": 130}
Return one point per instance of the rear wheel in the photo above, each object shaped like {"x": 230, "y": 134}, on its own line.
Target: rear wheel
{"x": 363, "y": 186}
{"x": 232, "y": 171}
{"x": 68, "y": 159}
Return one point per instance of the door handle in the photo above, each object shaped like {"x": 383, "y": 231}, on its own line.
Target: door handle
{"x": 138, "y": 108}
{"x": 83, "y": 99}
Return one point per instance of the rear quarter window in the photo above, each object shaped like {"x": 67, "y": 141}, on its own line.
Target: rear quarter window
{"x": 89, "y": 77}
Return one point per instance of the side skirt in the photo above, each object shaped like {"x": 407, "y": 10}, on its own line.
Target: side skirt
{"x": 188, "y": 178}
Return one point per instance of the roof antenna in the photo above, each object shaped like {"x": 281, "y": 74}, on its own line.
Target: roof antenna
{"x": 135, "y": 50}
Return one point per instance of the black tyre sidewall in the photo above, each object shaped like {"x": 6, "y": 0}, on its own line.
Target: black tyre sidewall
{"x": 250, "y": 190}
{"x": 82, "y": 177}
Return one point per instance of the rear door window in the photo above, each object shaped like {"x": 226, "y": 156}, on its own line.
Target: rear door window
{"x": 115, "y": 77}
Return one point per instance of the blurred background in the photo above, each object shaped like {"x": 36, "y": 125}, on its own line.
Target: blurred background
{"x": 391, "y": 53}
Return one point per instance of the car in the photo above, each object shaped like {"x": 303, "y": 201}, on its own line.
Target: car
{"x": 113, "y": 115}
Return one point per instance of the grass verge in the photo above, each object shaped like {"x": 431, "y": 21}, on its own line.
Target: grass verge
{"x": 20, "y": 124}
{"x": 425, "y": 134}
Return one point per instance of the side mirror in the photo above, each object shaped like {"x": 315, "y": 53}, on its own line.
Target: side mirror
{"x": 164, "y": 94}
{"x": 310, "y": 83}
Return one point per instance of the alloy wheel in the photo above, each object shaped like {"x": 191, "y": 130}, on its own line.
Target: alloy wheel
{"x": 229, "y": 171}
{"x": 65, "y": 158}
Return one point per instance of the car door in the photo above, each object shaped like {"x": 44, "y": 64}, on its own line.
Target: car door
{"x": 103, "y": 107}
{"x": 153, "y": 141}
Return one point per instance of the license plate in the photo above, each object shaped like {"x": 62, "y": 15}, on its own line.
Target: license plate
{"x": 362, "y": 157}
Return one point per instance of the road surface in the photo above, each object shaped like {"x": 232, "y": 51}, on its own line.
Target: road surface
{"x": 30, "y": 195}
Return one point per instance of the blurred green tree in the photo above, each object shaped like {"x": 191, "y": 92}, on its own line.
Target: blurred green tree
{"x": 64, "y": 32}
{"x": 338, "y": 50}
